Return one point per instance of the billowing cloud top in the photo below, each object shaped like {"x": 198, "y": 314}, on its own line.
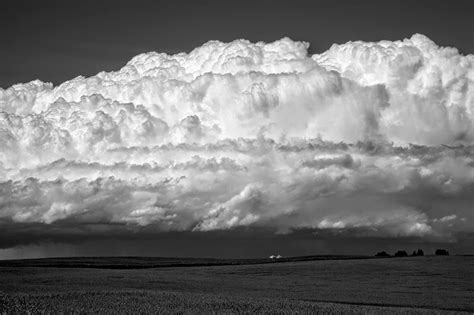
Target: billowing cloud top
{"x": 371, "y": 137}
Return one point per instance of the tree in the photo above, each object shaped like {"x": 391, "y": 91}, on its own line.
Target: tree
{"x": 401, "y": 253}
{"x": 418, "y": 252}
{"x": 441, "y": 252}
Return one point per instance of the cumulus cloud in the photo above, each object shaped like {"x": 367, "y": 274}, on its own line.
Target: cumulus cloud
{"x": 375, "y": 137}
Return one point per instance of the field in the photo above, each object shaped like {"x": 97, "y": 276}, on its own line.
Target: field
{"x": 424, "y": 285}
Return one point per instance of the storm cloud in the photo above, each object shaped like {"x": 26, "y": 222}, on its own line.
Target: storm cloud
{"x": 371, "y": 138}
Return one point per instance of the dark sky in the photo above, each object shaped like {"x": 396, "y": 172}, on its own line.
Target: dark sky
{"x": 58, "y": 40}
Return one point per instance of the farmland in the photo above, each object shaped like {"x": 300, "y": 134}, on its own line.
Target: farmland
{"x": 307, "y": 285}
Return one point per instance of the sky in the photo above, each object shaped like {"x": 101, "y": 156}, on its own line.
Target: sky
{"x": 58, "y": 40}
{"x": 236, "y": 129}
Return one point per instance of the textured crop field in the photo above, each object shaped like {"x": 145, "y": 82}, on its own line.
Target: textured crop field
{"x": 408, "y": 285}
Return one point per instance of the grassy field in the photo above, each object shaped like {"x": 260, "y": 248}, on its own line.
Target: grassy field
{"x": 155, "y": 262}
{"x": 423, "y": 285}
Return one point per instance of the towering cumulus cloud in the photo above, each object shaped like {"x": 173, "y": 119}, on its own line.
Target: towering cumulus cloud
{"x": 372, "y": 138}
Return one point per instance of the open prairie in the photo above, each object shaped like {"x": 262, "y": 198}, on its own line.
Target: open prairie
{"x": 392, "y": 285}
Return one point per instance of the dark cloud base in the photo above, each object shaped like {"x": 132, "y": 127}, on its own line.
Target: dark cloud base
{"x": 40, "y": 242}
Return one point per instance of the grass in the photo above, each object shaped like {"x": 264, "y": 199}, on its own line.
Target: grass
{"x": 423, "y": 285}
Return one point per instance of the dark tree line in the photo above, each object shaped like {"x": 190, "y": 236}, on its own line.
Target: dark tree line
{"x": 419, "y": 252}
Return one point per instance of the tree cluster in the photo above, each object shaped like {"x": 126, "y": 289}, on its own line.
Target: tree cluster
{"x": 418, "y": 252}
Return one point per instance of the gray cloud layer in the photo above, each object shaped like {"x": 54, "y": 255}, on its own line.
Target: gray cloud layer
{"x": 241, "y": 134}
